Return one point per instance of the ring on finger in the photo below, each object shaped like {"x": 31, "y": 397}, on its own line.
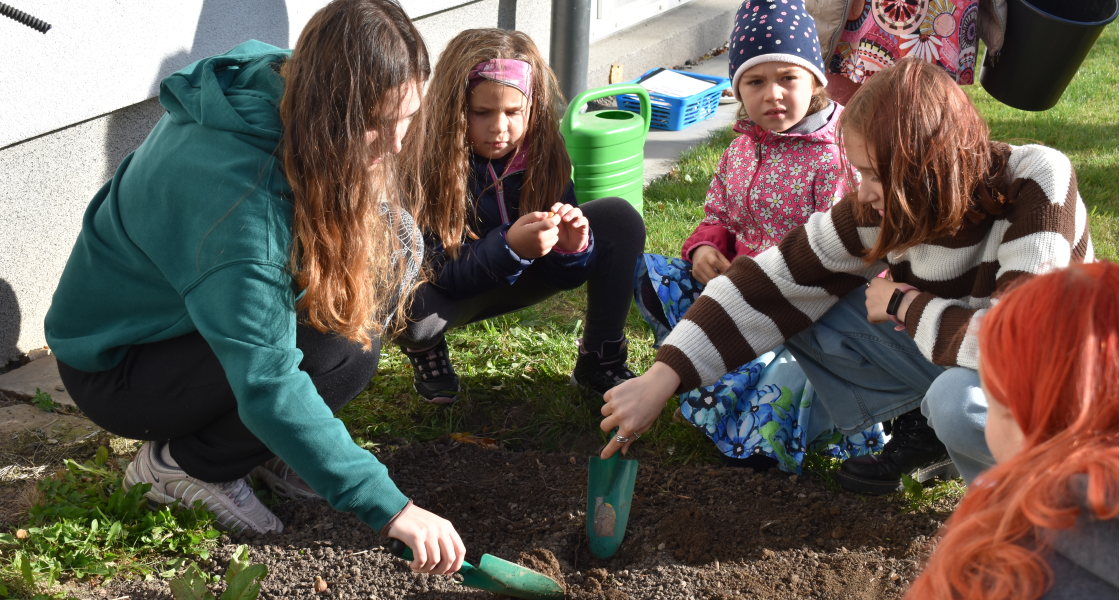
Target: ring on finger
{"x": 622, "y": 439}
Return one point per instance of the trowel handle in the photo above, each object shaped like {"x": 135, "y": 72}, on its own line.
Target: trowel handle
{"x": 641, "y": 92}
{"x": 401, "y": 550}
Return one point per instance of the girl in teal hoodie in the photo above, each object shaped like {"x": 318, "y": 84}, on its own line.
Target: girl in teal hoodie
{"x": 228, "y": 287}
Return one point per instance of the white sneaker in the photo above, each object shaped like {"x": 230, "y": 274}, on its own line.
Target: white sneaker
{"x": 233, "y": 503}
{"x": 282, "y": 480}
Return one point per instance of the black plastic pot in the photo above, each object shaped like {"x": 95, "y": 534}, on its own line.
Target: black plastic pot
{"x": 1045, "y": 43}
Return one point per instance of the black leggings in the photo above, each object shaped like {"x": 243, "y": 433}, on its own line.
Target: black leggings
{"x": 177, "y": 390}
{"x": 620, "y": 238}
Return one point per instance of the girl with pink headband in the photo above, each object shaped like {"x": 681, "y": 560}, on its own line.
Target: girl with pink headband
{"x": 501, "y": 226}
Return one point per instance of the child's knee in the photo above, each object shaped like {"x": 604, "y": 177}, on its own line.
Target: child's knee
{"x": 955, "y": 407}
{"x": 617, "y": 214}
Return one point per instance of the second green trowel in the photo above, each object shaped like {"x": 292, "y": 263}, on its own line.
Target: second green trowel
{"x": 610, "y": 489}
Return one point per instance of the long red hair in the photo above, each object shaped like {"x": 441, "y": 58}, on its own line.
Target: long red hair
{"x": 1048, "y": 352}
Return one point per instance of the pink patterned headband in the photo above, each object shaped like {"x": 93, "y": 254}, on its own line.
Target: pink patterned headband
{"x": 506, "y": 71}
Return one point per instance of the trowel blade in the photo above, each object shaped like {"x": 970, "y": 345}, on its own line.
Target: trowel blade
{"x": 503, "y": 577}
{"x": 610, "y": 490}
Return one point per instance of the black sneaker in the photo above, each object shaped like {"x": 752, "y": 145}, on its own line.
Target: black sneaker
{"x": 599, "y": 371}
{"x": 433, "y": 377}
{"x": 914, "y": 449}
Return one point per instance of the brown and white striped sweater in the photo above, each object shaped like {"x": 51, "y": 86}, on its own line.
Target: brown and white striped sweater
{"x": 761, "y": 302}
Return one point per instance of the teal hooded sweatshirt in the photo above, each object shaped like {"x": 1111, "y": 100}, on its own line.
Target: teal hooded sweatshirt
{"x": 192, "y": 234}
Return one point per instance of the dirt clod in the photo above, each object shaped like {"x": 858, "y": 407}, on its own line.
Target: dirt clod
{"x": 543, "y": 562}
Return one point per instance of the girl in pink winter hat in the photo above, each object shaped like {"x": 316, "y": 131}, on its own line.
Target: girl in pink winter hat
{"x": 784, "y": 166}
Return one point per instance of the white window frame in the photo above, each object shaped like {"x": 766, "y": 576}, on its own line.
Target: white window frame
{"x": 609, "y": 17}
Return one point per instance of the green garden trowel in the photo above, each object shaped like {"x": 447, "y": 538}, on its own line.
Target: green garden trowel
{"x": 610, "y": 488}
{"x": 498, "y": 576}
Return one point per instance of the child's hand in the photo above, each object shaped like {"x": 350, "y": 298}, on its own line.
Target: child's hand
{"x": 575, "y": 230}
{"x": 708, "y": 263}
{"x": 879, "y": 292}
{"x": 533, "y": 235}
{"x": 633, "y": 405}
{"x": 436, "y": 546}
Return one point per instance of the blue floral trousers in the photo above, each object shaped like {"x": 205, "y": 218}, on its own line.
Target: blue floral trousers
{"x": 761, "y": 408}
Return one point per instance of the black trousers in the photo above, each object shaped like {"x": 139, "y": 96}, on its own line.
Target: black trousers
{"x": 620, "y": 238}
{"x": 177, "y": 390}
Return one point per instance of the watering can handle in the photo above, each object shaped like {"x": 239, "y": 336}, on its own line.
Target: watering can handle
{"x": 606, "y": 92}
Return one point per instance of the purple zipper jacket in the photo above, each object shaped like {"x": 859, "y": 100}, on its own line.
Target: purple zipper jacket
{"x": 488, "y": 262}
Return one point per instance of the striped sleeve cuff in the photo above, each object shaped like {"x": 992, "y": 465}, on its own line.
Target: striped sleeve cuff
{"x": 942, "y": 330}
{"x": 679, "y": 363}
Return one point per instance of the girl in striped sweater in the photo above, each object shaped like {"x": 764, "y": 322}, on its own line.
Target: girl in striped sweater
{"x": 953, "y": 216}
{"x": 783, "y": 167}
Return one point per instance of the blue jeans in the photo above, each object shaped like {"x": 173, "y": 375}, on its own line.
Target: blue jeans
{"x": 865, "y": 374}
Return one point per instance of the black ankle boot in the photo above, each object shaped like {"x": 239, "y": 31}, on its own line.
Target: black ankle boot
{"x": 600, "y": 370}
{"x": 433, "y": 377}
{"x": 914, "y": 449}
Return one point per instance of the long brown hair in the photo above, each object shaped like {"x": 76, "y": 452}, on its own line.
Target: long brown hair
{"x": 548, "y": 170}
{"x": 931, "y": 151}
{"x": 1048, "y": 352}
{"x": 349, "y": 74}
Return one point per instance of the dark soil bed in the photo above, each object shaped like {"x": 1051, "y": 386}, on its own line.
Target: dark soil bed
{"x": 694, "y": 532}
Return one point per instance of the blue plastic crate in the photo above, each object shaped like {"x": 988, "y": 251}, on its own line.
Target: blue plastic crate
{"x": 674, "y": 114}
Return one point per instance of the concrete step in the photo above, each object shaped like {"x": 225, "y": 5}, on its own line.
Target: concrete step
{"x": 56, "y": 428}
{"x": 680, "y": 34}
{"x": 41, "y": 374}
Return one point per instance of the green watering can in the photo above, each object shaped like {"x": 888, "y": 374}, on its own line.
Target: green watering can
{"x": 610, "y": 489}
{"x": 607, "y": 146}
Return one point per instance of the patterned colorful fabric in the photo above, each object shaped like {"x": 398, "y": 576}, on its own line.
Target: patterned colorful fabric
{"x": 942, "y": 32}
{"x": 762, "y": 408}
{"x": 766, "y": 184}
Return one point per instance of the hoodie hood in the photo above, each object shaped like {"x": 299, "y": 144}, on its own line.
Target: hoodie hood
{"x": 238, "y": 91}
{"x": 1091, "y": 542}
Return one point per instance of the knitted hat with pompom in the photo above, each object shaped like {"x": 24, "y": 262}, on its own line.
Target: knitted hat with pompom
{"x": 774, "y": 31}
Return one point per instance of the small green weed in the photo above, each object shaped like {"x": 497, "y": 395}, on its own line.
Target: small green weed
{"x": 88, "y": 527}
{"x": 919, "y": 497}
{"x": 825, "y": 468}
{"x": 43, "y": 400}
{"x": 243, "y": 580}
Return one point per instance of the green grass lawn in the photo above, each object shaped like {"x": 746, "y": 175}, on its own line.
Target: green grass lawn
{"x": 515, "y": 368}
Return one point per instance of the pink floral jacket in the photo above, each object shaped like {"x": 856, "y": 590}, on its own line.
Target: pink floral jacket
{"x": 766, "y": 184}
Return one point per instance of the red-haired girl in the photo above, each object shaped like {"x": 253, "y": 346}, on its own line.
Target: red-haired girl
{"x": 954, "y": 216}
{"x": 1044, "y": 519}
